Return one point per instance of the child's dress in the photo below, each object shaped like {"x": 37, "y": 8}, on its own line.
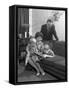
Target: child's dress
{"x": 32, "y": 49}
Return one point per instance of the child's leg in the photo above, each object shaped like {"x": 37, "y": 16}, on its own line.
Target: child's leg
{"x": 34, "y": 65}
{"x": 41, "y": 70}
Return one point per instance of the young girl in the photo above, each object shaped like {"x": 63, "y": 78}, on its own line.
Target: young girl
{"x": 32, "y": 58}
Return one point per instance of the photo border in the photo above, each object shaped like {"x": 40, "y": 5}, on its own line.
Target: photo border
{"x": 16, "y": 40}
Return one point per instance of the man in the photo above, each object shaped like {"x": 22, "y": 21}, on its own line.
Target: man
{"x": 48, "y": 30}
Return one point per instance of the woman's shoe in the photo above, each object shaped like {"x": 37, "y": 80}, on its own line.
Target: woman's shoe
{"x": 43, "y": 73}
{"x": 37, "y": 74}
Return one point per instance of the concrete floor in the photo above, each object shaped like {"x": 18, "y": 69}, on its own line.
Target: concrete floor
{"x": 29, "y": 75}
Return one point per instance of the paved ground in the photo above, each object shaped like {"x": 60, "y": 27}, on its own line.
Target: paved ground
{"x": 29, "y": 75}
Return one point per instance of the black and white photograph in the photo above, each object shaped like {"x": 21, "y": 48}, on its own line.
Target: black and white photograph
{"x": 41, "y": 44}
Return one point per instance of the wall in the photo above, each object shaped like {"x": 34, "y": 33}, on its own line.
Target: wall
{"x": 39, "y": 17}
{"x": 60, "y": 27}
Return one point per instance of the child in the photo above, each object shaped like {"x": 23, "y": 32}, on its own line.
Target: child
{"x": 32, "y": 58}
{"x": 48, "y": 51}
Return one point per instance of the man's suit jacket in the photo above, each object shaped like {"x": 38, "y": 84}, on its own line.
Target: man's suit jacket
{"x": 48, "y": 35}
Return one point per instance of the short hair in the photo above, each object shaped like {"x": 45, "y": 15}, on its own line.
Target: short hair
{"x": 38, "y": 34}
{"x": 31, "y": 37}
{"x": 49, "y": 43}
{"x": 49, "y": 20}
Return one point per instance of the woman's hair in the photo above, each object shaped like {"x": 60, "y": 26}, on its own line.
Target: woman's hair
{"x": 38, "y": 34}
{"x": 49, "y": 20}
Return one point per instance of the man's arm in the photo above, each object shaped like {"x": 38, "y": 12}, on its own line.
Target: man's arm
{"x": 54, "y": 33}
{"x": 41, "y": 29}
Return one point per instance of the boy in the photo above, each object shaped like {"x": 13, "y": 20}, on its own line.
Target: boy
{"x": 48, "y": 51}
